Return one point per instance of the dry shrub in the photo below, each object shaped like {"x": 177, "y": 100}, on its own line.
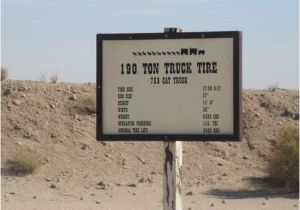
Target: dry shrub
{"x": 26, "y": 161}
{"x": 4, "y": 73}
{"x": 284, "y": 164}
{"x": 86, "y": 105}
{"x": 53, "y": 78}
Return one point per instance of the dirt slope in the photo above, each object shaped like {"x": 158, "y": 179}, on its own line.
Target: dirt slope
{"x": 58, "y": 122}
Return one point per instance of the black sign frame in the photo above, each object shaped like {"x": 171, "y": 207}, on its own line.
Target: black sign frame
{"x": 237, "y": 87}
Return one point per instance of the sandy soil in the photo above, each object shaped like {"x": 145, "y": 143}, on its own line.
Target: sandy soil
{"x": 80, "y": 173}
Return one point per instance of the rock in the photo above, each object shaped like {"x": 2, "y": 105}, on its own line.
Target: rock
{"x": 81, "y": 199}
{"x": 48, "y": 180}
{"x": 141, "y": 159}
{"x": 149, "y": 180}
{"x": 264, "y": 104}
{"x": 153, "y": 172}
{"x": 224, "y": 174}
{"x": 220, "y": 164}
{"x": 6, "y": 92}
{"x": 189, "y": 193}
{"x": 223, "y": 201}
{"x": 19, "y": 143}
{"x": 245, "y": 157}
{"x": 84, "y": 146}
{"x": 131, "y": 185}
{"x": 52, "y": 186}
{"x": 189, "y": 208}
{"x": 103, "y": 143}
{"x": 17, "y": 102}
{"x": 97, "y": 202}
{"x": 52, "y": 106}
{"x": 12, "y": 193}
{"x": 72, "y": 98}
{"x": 34, "y": 197}
{"x": 100, "y": 188}
{"x": 263, "y": 203}
{"x": 257, "y": 114}
{"x": 134, "y": 193}
{"x": 212, "y": 205}
{"x": 101, "y": 183}
{"x": 142, "y": 180}
{"x": 93, "y": 194}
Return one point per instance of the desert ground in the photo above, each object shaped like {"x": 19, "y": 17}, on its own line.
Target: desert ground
{"x": 78, "y": 172}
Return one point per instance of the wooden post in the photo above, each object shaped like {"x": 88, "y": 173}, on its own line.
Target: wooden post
{"x": 172, "y": 176}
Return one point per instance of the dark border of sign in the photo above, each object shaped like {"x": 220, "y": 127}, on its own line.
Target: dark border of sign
{"x": 237, "y": 87}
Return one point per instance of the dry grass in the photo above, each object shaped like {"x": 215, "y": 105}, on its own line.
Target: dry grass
{"x": 284, "y": 165}
{"x": 4, "y": 73}
{"x": 86, "y": 105}
{"x": 25, "y": 161}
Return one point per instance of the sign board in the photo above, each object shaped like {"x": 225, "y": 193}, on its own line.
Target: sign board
{"x": 169, "y": 86}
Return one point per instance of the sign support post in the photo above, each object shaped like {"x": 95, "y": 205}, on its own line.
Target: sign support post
{"x": 172, "y": 175}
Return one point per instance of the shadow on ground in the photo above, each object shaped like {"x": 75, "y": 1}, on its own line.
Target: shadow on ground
{"x": 12, "y": 169}
{"x": 263, "y": 188}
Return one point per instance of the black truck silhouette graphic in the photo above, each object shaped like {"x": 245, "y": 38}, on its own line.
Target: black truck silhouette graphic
{"x": 184, "y": 51}
{"x": 193, "y": 51}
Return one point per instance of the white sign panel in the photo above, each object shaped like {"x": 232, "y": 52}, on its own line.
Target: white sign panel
{"x": 168, "y": 86}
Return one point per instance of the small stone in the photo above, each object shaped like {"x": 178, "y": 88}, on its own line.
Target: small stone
{"x": 189, "y": 208}
{"x": 212, "y": 205}
{"x": 257, "y": 114}
{"x": 34, "y": 197}
{"x": 153, "y": 172}
{"x": 142, "y": 160}
{"x": 97, "y": 202}
{"x": 189, "y": 193}
{"x": 134, "y": 193}
{"x": 223, "y": 201}
{"x": 224, "y": 174}
{"x": 81, "y": 199}
{"x": 48, "y": 180}
{"x": 220, "y": 164}
{"x": 295, "y": 205}
{"x": 93, "y": 194}
{"x": 17, "y": 102}
{"x": 52, "y": 106}
{"x": 19, "y": 143}
{"x": 267, "y": 198}
{"x": 245, "y": 157}
{"x": 142, "y": 180}
{"x": 84, "y": 146}
{"x": 52, "y": 186}
{"x": 131, "y": 185}
{"x": 12, "y": 193}
{"x": 72, "y": 98}
{"x": 103, "y": 143}
{"x": 101, "y": 183}
{"x": 149, "y": 180}
{"x": 263, "y": 203}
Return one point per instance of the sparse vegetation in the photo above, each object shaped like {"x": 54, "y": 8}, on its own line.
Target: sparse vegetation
{"x": 284, "y": 165}
{"x": 86, "y": 105}
{"x": 43, "y": 78}
{"x": 26, "y": 161}
{"x": 53, "y": 78}
{"x": 4, "y": 73}
{"x": 273, "y": 88}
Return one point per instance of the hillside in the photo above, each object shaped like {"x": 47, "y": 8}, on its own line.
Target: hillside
{"x": 58, "y": 121}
